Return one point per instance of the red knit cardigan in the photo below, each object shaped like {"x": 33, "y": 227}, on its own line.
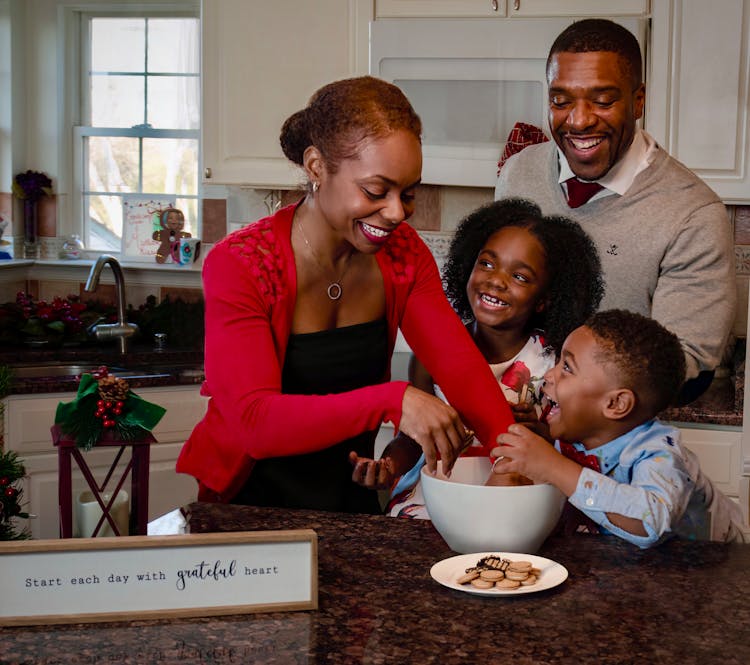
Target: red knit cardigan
{"x": 250, "y": 286}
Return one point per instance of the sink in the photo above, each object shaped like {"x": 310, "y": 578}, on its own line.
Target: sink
{"x": 53, "y": 369}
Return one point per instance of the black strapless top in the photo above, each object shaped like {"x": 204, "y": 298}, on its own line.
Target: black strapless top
{"x": 320, "y": 363}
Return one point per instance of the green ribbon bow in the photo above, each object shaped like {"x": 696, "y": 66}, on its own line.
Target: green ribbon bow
{"x": 78, "y": 419}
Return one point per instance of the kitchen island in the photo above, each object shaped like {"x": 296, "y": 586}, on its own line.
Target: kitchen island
{"x": 679, "y": 603}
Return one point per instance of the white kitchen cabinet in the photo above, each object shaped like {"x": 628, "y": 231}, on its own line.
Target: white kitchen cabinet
{"x": 439, "y": 8}
{"x": 470, "y": 80}
{"x": 28, "y": 419}
{"x": 261, "y": 62}
{"x": 699, "y": 90}
{"x": 719, "y": 452}
{"x": 501, "y": 8}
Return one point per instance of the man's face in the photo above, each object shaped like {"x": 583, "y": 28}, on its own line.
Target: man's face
{"x": 593, "y": 108}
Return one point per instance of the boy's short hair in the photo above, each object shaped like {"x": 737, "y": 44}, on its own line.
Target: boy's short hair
{"x": 649, "y": 357}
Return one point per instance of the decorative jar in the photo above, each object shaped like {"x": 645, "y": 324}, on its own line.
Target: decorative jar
{"x": 72, "y": 247}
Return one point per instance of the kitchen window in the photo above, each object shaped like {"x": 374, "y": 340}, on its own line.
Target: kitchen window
{"x": 140, "y": 119}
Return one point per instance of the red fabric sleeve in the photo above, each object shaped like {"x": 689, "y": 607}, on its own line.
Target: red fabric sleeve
{"x": 243, "y": 376}
{"x": 440, "y": 340}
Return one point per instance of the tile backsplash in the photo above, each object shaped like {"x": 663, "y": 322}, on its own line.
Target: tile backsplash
{"x": 439, "y": 210}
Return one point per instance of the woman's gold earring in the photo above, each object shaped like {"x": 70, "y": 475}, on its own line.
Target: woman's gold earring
{"x": 315, "y": 186}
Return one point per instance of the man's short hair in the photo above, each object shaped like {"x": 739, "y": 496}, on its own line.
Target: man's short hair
{"x": 596, "y": 34}
{"x": 648, "y": 357}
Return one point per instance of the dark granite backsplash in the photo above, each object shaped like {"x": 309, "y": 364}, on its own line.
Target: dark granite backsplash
{"x": 722, "y": 403}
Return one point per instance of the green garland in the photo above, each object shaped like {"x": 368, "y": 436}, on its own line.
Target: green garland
{"x": 11, "y": 471}
{"x": 81, "y": 420}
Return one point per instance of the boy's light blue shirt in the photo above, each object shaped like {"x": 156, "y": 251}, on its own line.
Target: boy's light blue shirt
{"x": 648, "y": 475}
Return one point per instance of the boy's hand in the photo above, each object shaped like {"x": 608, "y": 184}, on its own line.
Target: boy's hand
{"x": 372, "y": 474}
{"x": 524, "y": 452}
{"x": 525, "y": 414}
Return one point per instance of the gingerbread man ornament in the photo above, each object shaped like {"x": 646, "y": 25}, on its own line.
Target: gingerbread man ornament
{"x": 172, "y": 222}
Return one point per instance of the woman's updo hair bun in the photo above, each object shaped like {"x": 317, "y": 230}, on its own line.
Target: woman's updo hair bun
{"x": 343, "y": 114}
{"x": 295, "y": 136}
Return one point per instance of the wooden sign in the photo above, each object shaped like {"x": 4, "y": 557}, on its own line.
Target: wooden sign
{"x": 143, "y": 577}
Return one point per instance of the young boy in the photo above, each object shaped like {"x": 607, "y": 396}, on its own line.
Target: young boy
{"x": 623, "y": 468}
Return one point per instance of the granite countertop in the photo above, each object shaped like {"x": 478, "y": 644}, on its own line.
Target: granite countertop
{"x": 719, "y": 405}
{"x": 680, "y": 602}
{"x": 144, "y": 366}
{"x": 722, "y": 404}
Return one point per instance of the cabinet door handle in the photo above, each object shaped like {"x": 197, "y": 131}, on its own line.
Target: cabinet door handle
{"x": 207, "y": 172}
{"x": 516, "y": 4}
{"x": 494, "y": 5}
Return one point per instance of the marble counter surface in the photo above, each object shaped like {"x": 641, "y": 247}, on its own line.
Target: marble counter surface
{"x": 680, "y": 603}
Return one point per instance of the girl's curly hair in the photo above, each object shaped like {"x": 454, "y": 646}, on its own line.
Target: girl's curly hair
{"x": 575, "y": 285}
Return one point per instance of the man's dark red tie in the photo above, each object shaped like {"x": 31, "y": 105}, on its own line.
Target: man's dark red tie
{"x": 579, "y": 191}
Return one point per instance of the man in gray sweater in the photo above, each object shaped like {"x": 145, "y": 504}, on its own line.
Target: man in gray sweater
{"x": 663, "y": 235}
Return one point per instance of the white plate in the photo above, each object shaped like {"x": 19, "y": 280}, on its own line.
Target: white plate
{"x": 449, "y": 570}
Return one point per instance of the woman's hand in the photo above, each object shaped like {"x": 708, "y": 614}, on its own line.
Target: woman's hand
{"x": 373, "y": 474}
{"x": 435, "y": 426}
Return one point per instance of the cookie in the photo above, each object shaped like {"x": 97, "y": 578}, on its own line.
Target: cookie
{"x": 516, "y": 575}
{"x": 468, "y": 576}
{"x": 493, "y": 561}
{"x": 521, "y": 566}
{"x": 493, "y": 571}
{"x": 493, "y": 575}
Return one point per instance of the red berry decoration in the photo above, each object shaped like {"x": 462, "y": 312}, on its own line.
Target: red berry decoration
{"x": 4, "y": 481}
{"x": 11, "y": 492}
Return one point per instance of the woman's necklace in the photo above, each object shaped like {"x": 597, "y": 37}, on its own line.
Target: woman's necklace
{"x": 334, "y": 290}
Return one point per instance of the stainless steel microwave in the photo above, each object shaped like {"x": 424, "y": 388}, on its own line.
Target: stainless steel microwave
{"x": 470, "y": 80}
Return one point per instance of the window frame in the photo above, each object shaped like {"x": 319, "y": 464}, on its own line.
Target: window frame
{"x": 74, "y": 63}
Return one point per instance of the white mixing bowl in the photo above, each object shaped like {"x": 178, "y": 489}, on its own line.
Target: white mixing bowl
{"x": 472, "y": 517}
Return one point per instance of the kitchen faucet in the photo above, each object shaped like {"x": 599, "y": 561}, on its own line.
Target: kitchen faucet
{"x": 122, "y": 329}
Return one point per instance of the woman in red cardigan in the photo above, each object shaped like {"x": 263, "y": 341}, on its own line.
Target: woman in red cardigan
{"x": 302, "y": 311}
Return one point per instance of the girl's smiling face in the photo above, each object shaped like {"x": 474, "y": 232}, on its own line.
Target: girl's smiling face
{"x": 509, "y": 281}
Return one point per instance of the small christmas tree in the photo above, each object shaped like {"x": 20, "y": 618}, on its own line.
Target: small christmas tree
{"x": 11, "y": 471}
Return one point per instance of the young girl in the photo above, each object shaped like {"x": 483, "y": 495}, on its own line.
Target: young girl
{"x": 521, "y": 282}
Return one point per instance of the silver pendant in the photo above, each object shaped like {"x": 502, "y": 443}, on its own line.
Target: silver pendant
{"x": 335, "y": 291}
